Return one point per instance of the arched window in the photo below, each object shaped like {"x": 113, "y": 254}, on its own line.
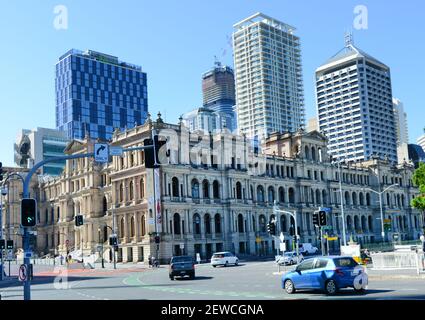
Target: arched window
{"x": 216, "y": 190}
{"x": 262, "y": 221}
{"x": 281, "y": 195}
{"x": 347, "y": 198}
{"x": 217, "y": 223}
{"x": 354, "y": 199}
{"x": 195, "y": 189}
{"x": 271, "y": 195}
{"x": 206, "y": 189}
{"x": 260, "y": 194}
{"x": 307, "y": 153}
{"x": 324, "y": 197}
{"x": 207, "y": 224}
{"x": 240, "y": 223}
{"x": 131, "y": 190}
{"x": 121, "y": 192}
{"x": 349, "y": 223}
{"x": 58, "y": 212}
{"x": 370, "y": 223}
{"x": 364, "y": 224}
{"x": 142, "y": 188}
{"x": 312, "y": 195}
{"x": 367, "y": 199}
{"x": 176, "y": 223}
{"x": 361, "y": 197}
{"x": 291, "y": 195}
{"x": 388, "y": 199}
{"x": 405, "y": 226}
{"x": 132, "y": 227}
{"x": 175, "y": 187}
{"x": 238, "y": 190}
{"x": 403, "y": 200}
{"x": 196, "y": 224}
{"x": 313, "y": 153}
{"x": 356, "y": 223}
{"x": 105, "y": 206}
{"x": 122, "y": 232}
{"x": 318, "y": 201}
{"x": 143, "y": 225}
{"x": 46, "y": 216}
{"x": 283, "y": 225}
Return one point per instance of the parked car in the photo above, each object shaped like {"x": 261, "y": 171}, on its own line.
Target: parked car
{"x": 329, "y": 274}
{"x": 307, "y": 248}
{"x": 182, "y": 266}
{"x": 224, "y": 259}
{"x": 289, "y": 258}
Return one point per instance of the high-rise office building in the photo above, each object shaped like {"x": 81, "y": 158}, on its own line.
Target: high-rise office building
{"x": 218, "y": 91}
{"x": 421, "y": 141}
{"x": 400, "y": 119}
{"x": 34, "y": 146}
{"x": 354, "y": 106}
{"x": 96, "y": 93}
{"x": 203, "y": 119}
{"x": 268, "y": 72}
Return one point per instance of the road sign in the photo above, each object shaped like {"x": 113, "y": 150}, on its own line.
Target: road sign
{"x": 23, "y": 273}
{"x": 283, "y": 246}
{"x": 28, "y": 254}
{"x": 151, "y": 221}
{"x": 9, "y": 254}
{"x": 327, "y": 210}
{"x": 116, "y": 151}
{"x": 281, "y": 237}
{"x": 387, "y": 221}
{"x": 182, "y": 246}
{"x": 101, "y": 152}
{"x": 332, "y": 238}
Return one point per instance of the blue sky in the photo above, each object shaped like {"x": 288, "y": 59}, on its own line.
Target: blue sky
{"x": 176, "y": 41}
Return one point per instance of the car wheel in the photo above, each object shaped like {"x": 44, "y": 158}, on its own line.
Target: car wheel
{"x": 226, "y": 264}
{"x": 192, "y": 276}
{"x": 289, "y": 287}
{"x": 237, "y": 262}
{"x": 330, "y": 287}
{"x": 214, "y": 266}
{"x": 171, "y": 278}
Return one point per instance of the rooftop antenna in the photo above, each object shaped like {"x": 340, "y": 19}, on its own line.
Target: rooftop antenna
{"x": 217, "y": 63}
{"x": 348, "y": 38}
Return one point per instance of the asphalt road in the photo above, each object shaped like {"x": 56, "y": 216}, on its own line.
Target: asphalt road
{"x": 248, "y": 281}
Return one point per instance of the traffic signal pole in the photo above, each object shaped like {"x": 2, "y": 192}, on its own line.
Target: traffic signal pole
{"x": 26, "y": 194}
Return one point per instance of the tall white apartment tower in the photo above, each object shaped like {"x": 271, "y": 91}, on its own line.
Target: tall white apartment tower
{"x": 268, "y": 76}
{"x": 400, "y": 118}
{"x": 354, "y": 106}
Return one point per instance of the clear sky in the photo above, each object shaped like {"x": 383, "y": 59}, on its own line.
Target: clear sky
{"x": 176, "y": 41}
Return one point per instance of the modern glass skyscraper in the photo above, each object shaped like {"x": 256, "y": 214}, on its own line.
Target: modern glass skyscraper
{"x": 218, "y": 91}
{"x": 96, "y": 93}
{"x": 268, "y": 71}
{"x": 355, "y": 107}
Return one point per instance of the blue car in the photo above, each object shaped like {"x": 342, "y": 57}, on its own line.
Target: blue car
{"x": 329, "y": 274}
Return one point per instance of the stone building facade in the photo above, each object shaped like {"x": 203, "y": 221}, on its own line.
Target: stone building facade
{"x": 217, "y": 193}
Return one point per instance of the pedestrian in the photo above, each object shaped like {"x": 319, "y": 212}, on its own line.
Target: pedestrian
{"x": 150, "y": 260}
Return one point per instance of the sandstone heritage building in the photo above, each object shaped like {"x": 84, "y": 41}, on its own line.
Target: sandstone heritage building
{"x": 213, "y": 200}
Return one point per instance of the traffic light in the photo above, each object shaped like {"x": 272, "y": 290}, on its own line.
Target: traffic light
{"x": 315, "y": 219}
{"x": 2, "y": 244}
{"x": 157, "y": 239}
{"x": 1, "y": 171}
{"x": 322, "y": 218}
{"x": 272, "y": 228}
{"x": 28, "y": 212}
{"x": 113, "y": 241}
{"x": 9, "y": 244}
{"x": 151, "y": 155}
{"x": 79, "y": 220}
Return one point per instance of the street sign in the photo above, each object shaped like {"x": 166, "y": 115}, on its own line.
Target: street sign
{"x": 28, "y": 254}
{"x": 332, "y": 238}
{"x": 387, "y": 221}
{"x": 101, "y": 152}
{"x": 281, "y": 237}
{"x": 9, "y": 255}
{"x": 283, "y": 246}
{"x": 23, "y": 273}
{"x": 182, "y": 246}
{"x": 151, "y": 221}
{"x": 116, "y": 151}
{"x": 327, "y": 210}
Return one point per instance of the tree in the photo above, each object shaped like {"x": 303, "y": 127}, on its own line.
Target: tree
{"x": 419, "y": 181}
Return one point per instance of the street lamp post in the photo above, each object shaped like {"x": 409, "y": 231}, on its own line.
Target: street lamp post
{"x": 101, "y": 243}
{"x": 294, "y": 215}
{"x": 380, "y": 193}
{"x": 344, "y": 236}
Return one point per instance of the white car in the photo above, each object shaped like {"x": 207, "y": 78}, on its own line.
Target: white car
{"x": 308, "y": 248}
{"x": 224, "y": 259}
{"x": 289, "y": 258}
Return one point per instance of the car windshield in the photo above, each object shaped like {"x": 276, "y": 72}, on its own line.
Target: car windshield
{"x": 288, "y": 254}
{"x": 181, "y": 259}
{"x": 345, "y": 262}
{"x": 218, "y": 256}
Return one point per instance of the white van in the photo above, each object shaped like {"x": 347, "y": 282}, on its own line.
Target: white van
{"x": 307, "y": 248}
